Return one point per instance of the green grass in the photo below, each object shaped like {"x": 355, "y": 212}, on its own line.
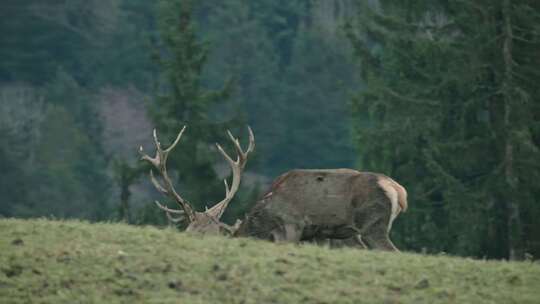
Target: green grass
{"x": 44, "y": 261}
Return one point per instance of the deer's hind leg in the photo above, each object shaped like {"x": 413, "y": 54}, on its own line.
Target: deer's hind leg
{"x": 377, "y": 238}
{"x": 372, "y": 219}
{"x": 352, "y": 242}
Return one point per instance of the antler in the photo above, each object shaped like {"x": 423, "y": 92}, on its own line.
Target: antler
{"x": 237, "y": 168}
{"x": 169, "y": 212}
{"x": 160, "y": 163}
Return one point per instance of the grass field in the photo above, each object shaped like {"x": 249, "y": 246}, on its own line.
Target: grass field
{"x": 44, "y": 261}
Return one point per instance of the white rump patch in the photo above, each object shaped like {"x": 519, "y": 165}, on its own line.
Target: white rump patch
{"x": 392, "y": 194}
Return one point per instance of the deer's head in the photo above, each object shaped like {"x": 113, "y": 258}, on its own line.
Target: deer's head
{"x": 208, "y": 221}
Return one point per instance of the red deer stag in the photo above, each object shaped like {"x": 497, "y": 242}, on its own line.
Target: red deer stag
{"x": 301, "y": 205}
{"x": 320, "y": 204}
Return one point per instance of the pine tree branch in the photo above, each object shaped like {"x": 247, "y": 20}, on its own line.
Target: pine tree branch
{"x": 424, "y": 102}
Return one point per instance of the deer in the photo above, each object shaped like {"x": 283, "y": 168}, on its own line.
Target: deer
{"x": 302, "y": 205}
{"x": 317, "y": 204}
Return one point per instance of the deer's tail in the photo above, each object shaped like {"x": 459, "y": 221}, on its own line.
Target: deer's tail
{"x": 395, "y": 192}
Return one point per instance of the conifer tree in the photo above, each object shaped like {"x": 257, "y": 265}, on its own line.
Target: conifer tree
{"x": 449, "y": 109}
{"x": 183, "y": 100}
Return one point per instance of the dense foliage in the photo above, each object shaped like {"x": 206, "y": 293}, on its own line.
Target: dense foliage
{"x": 451, "y": 109}
{"x": 67, "y": 53}
{"x": 445, "y": 101}
{"x": 54, "y": 57}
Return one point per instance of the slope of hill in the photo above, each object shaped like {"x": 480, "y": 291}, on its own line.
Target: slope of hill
{"x": 43, "y": 261}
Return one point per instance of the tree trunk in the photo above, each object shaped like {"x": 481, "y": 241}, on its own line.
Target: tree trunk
{"x": 515, "y": 248}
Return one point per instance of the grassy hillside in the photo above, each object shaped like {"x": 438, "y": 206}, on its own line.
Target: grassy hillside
{"x": 45, "y": 261}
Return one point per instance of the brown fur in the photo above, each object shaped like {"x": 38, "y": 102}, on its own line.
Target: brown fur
{"x": 311, "y": 205}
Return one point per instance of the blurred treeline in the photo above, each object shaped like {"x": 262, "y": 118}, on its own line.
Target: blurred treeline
{"x": 83, "y": 84}
{"x": 440, "y": 95}
{"x": 451, "y": 108}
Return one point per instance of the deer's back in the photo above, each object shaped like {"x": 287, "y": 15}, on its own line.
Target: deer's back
{"x": 322, "y": 196}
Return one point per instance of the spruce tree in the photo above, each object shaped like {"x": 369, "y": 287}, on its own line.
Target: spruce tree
{"x": 448, "y": 109}
{"x": 183, "y": 100}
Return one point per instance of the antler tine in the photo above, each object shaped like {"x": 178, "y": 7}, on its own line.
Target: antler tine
{"x": 241, "y": 155}
{"x": 225, "y": 155}
{"x": 156, "y": 183}
{"x": 237, "y": 167}
{"x": 173, "y": 219}
{"x": 160, "y": 163}
{"x": 169, "y": 149}
{"x": 160, "y": 160}
{"x": 251, "y": 145}
{"x": 227, "y": 189}
{"x": 156, "y": 141}
{"x": 167, "y": 209}
{"x": 168, "y": 212}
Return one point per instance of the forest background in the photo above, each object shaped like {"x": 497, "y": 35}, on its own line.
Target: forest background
{"x": 440, "y": 95}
